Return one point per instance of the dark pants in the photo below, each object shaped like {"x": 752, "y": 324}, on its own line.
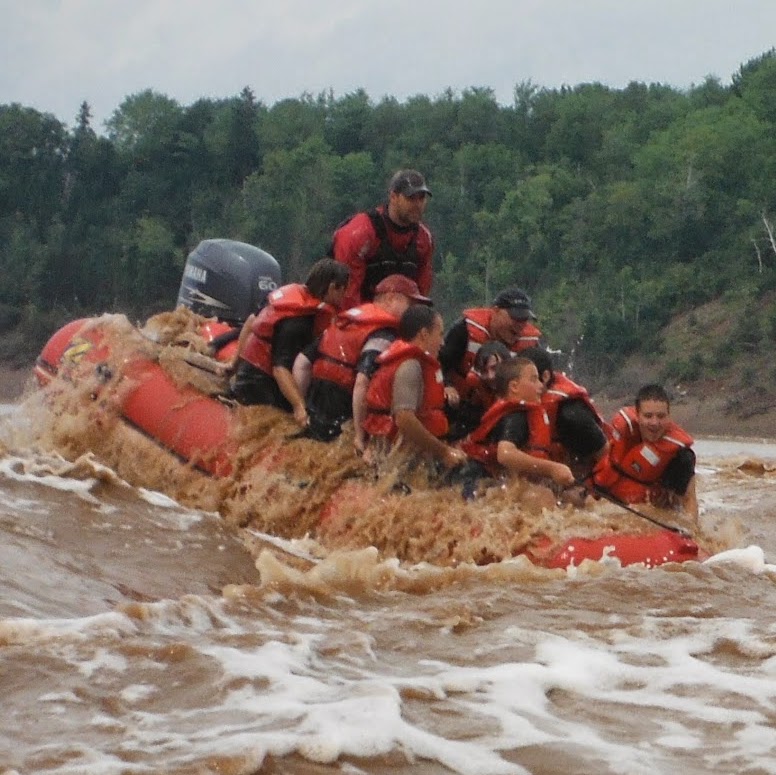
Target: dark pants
{"x": 254, "y": 386}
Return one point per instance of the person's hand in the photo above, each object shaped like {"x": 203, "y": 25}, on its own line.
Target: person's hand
{"x": 359, "y": 443}
{"x": 453, "y": 457}
{"x": 561, "y": 474}
{"x": 300, "y": 415}
{"x": 451, "y": 396}
{"x": 227, "y": 368}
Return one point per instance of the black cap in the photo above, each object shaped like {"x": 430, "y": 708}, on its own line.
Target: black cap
{"x": 408, "y": 183}
{"x": 516, "y": 301}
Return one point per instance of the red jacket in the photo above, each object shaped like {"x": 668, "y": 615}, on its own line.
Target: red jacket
{"x": 633, "y": 468}
{"x": 478, "y": 322}
{"x": 476, "y": 392}
{"x": 477, "y": 446}
{"x": 379, "y": 420}
{"x": 343, "y": 340}
{"x": 372, "y": 247}
{"x": 290, "y": 301}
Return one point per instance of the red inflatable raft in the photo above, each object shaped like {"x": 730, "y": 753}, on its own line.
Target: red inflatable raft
{"x": 199, "y": 430}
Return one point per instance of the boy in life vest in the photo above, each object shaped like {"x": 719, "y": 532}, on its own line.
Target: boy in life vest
{"x": 405, "y": 398}
{"x": 514, "y": 435}
{"x": 388, "y": 239}
{"x": 509, "y": 320}
{"x": 339, "y": 364}
{"x": 650, "y": 458}
{"x": 270, "y": 341}
{"x": 578, "y": 433}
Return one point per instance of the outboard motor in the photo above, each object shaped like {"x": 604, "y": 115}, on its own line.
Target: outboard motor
{"x": 228, "y": 280}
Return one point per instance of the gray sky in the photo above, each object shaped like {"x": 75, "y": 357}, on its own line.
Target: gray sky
{"x": 58, "y": 53}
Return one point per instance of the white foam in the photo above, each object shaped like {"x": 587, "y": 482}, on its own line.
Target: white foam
{"x": 752, "y": 558}
{"x": 20, "y": 470}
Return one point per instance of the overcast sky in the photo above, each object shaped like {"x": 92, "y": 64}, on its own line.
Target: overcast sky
{"x": 57, "y": 53}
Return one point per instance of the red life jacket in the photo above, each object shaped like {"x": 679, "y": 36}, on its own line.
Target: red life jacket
{"x": 415, "y": 246}
{"x": 343, "y": 340}
{"x": 379, "y": 395}
{"x": 222, "y": 338}
{"x": 290, "y": 301}
{"x": 477, "y": 446}
{"x": 476, "y": 392}
{"x": 562, "y": 389}
{"x": 478, "y": 322}
{"x": 635, "y": 477}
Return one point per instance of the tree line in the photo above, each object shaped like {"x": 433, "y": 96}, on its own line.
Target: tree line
{"x": 616, "y": 209}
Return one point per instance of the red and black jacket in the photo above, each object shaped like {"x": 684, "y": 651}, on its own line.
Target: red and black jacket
{"x": 341, "y": 343}
{"x": 290, "y": 301}
{"x": 478, "y": 446}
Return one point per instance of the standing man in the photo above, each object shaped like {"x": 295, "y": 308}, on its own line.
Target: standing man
{"x": 388, "y": 239}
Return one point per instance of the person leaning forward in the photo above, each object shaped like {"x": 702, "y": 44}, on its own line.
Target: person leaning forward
{"x": 293, "y": 316}
{"x": 339, "y": 365}
{"x": 388, "y": 239}
{"x": 508, "y": 320}
{"x": 405, "y": 398}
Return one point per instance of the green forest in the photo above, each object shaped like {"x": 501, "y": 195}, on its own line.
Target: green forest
{"x": 616, "y": 209}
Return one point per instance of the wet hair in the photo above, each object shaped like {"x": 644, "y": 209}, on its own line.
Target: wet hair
{"x": 540, "y": 357}
{"x": 489, "y": 349}
{"x": 652, "y": 392}
{"x": 415, "y": 319}
{"x": 506, "y": 371}
{"x": 325, "y": 272}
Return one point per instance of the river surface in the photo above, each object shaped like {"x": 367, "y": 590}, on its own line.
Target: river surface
{"x": 142, "y": 634}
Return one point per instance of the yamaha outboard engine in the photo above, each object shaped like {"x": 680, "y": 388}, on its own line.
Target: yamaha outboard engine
{"x": 227, "y": 279}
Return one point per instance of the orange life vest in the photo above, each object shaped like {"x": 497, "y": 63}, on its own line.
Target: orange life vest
{"x": 476, "y": 392}
{"x": 290, "y": 301}
{"x": 477, "y": 446}
{"x": 635, "y": 475}
{"x": 343, "y": 340}
{"x": 562, "y": 389}
{"x": 379, "y": 420}
{"x": 478, "y": 327}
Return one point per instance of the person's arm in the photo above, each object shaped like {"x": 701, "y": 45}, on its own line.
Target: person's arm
{"x": 407, "y": 399}
{"x": 302, "y": 373}
{"x": 519, "y": 462}
{"x": 245, "y": 332}
{"x": 689, "y": 500}
{"x": 378, "y": 342}
{"x": 419, "y": 437}
{"x": 290, "y": 390}
{"x": 453, "y": 350}
{"x": 425, "y": 259}
{"x": 290, "y": 337}
{"x": 352, "y": 244}
{"x": 303, "y": 367}
{"x": 578, "y": 429}
{"x": 359, "y": 411}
